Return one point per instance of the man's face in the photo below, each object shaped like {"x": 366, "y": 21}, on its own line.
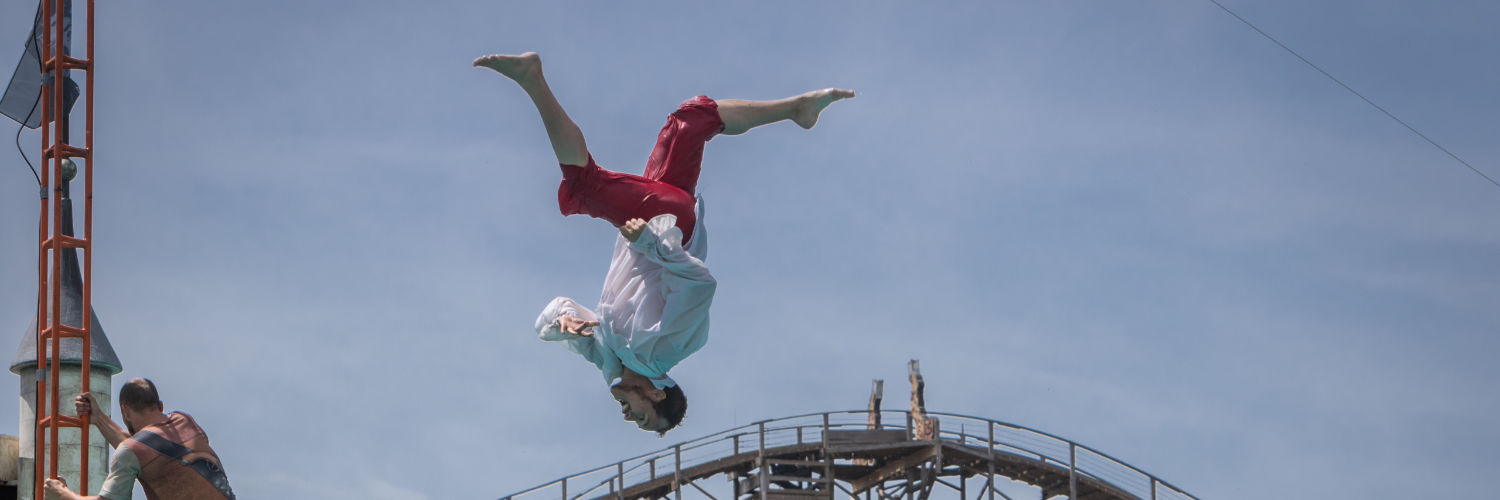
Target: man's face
{"x": 636, "y": 407}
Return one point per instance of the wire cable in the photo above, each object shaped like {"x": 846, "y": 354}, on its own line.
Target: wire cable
{"x": 38, "y": 51}
{"x": 1357, "y": 94}
{"x": 22, "y": 151}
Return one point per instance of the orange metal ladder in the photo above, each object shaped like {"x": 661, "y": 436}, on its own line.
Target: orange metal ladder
{"x": 50, "y": 327}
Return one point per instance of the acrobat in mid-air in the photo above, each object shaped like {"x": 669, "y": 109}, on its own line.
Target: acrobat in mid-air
{"x": 653, "y": 312}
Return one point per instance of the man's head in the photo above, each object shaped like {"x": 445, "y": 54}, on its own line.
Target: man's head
{"x": 652, "y": 409}
{"x": 671, "y": 409}
{"x": 139, "y": 404}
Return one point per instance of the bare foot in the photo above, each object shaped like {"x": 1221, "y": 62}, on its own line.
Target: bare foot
{"x": 812, "y": 103}
{"x": 519, "y": 68}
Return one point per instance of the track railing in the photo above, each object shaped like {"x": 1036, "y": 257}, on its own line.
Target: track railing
{"x": 997, "y": 437}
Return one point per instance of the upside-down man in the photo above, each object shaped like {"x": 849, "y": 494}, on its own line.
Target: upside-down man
{"x": 653, "y": 312}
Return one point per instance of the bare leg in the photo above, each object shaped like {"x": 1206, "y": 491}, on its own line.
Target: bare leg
{"x": 740, "y": 116}
{"x": 526, "y": 70}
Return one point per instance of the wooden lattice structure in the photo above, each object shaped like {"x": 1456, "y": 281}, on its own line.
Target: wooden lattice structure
{"x": 838, "y": 455}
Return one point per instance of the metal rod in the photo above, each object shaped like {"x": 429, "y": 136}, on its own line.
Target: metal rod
{"x": 827, "y": 458}
{"x": 991, "y": 448}
{"x": 1002, "y": 494}
{"x": 38, "y": 473}
{"x": 700, "y": 489}
{"x": 1072, "y": 471}
{"x": 59, "y": 136}
{"x": 937, "y": 469}
{"x": 989, "y": 478}
{"x": 845, "y": 490}
{"x": 677, "y": 471}
{"x": 43, "y": 304}
{"x": 760, "y": 454}
{"x": 86, "y": 371}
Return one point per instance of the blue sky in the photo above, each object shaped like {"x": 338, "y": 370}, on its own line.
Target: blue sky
{"x": 1137, "y": 225}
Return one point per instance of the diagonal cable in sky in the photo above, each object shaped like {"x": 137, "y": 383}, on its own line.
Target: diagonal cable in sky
{"x": 1357, "y": 94}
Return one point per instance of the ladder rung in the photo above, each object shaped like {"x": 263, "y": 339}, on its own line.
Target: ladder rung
{"x": 68, "y": 63}
{"x": 67, "y": 242}
{"x": 64, "y": 331}
{"x": 60, "y": 421}
{"x": 68, "y": 151}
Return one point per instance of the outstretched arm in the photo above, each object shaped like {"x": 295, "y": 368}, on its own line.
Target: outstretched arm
{"x": 564, "y": 320}
{"x": 124, "y": 469}
{"x": 112, "y": 431}
{"x": 55, "y": 489}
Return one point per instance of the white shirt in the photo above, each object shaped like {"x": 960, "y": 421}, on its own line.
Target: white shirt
{"x": 654, "y": 309}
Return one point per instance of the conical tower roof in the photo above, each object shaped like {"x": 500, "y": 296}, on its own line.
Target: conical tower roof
{"x": 101, "y": 353}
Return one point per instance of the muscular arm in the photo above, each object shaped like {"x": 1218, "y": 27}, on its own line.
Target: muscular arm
{"x": 56, "y": 490}
{"x": 63, "y": 493}
{"x": 124, "y": 468}
{"x": 59, "y": 491}
{"x": 112, "y": 431}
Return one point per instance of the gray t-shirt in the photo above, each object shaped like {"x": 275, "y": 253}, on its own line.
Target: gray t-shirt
{"x": 124, "y": 468}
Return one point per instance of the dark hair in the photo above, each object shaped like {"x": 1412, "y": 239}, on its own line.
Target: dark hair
{"x": 139, "y": 394}
{"x": 671, "y": 408}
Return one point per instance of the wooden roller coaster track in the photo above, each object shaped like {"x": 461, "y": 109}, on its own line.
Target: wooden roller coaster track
{"x": 844, "y": 454}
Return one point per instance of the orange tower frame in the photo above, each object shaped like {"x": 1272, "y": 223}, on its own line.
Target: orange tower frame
{"x": 50, "y": 328}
